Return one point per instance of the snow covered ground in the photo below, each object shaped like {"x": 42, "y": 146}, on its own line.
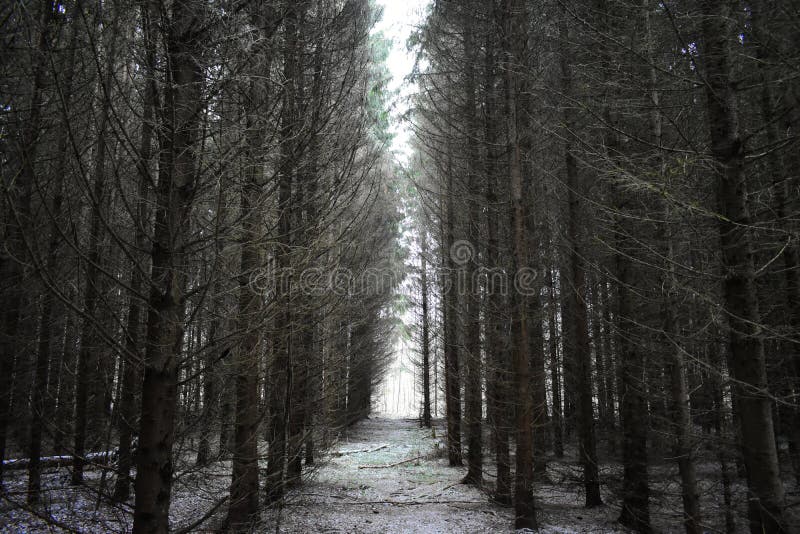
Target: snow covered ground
{"x": 356, "y": 492}
{"x": 350, "y": 494}
{"x": 382, "y": 475}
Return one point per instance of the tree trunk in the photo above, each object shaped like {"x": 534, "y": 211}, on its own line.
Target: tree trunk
{"x": 452, "y": 378}
{"x": 599, "y": 355}
{"x": 90, "y": 407}
{"x": 280, "y": 395}
{"x": 679, "y": 414}
{"x": 633, "y": 406}
{"x": 473, "y": 387}
{"x": 610, "y": 362}
{"x": 577, "y": 346}
{"x": 45, "y": 357}
{"x": 723, "y": 437}
{"x": 131, "y": 374}
{"x": 426, "y": 348}
{"x": 17, "y": 218}
{"x": 173, "y": 202}
{"x": 633, "y": 410}
{"x": 243, "y": 510}
{"x": 515, "y": 45}
{"x": 766, "y": 503}
{"x": 244, "y": 483}
{"x": 555, "y": 373}
{"x": 498, "y": 373}
{"x": 781, "y": 183}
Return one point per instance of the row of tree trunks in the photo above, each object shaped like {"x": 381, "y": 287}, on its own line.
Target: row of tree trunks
{"x": 633, "y": 290}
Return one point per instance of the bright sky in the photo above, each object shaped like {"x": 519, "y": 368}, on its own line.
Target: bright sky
{"x": 400, "y": 18}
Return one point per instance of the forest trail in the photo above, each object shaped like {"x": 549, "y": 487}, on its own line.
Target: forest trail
{"x": 362, "y": 487}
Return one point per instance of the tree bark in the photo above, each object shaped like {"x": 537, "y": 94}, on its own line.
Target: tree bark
{"x": 577, "y": 346}
{"x": 515, "y": 47}
{"x": 497, "y": 357}
{"x": 131, "y": 374}
{"x": 426, "y": 348}
{"x": 244, "y": 482}
{"x": 473, "y": 387}
{"x": 452, "y": 378}
{"x": 45, "y": 357}
{"x": 89, "y": 393}
{"x": 766, "y": 510}
{"x": 17, "y": 218}
{"x": 173, "y": 202}
{"x": 280, "y": 397}
{"x": 781, "y": 183}
{"x": 555, "y": 366}
{"x": 633, "y": 405}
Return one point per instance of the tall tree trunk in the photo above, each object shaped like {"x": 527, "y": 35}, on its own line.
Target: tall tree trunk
{"x": 633, "y": 406}
{"x": 515, "y": 47}
{"x": 244, "y": 482}
{"x": 311, "y": 327}
{"x": 497, "y": 356}
{"x": 781, "y": 183}
{"x": 675, "y": 368}
{"x": 599, "y": 354}
{"x": 679, "y": 395}
{"x": 539, "y": 392}
{"x": 766, "y": 509}
{"x": 681, "y": 421}
{"x": 426, "y": 347}
{"x": 131, "y": 374}
{"x": 473, "y": 387}
{"x": 173, "y": 202}
{"x": 577, "y": 346}
{"x": 452, "y": 378}
{"x": 90, "y": 406}
{"x": 610, "y": 362}
{"x": 280, "y": 397}
{"x": 723, "y": 437}
{"x": 555, "y": 367}
{"x": 17, "y": 194}
{"x": 301, "y": 236}
{"x": 216, "y": 360}
{"x": 243, "y": 510}
{"x": 66, "y": 386}
{"x": 45, "y": 357}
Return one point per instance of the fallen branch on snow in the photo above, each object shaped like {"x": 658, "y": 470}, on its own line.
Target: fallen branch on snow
{"x": 342, "y": 453}
{"x": 396, "y": 503}
{"x": 60, "y": 461}
{"x": 384, "y": 466}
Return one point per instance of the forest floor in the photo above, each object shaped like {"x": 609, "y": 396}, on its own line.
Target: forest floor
{"x": 361, "y": 490}
{"x": 382, "y": 475}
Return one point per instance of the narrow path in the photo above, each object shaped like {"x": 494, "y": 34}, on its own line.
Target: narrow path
{"x": 422, "y": 495}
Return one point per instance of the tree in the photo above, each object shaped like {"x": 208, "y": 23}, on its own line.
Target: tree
{"x": 766, "y": 509}
{"x": 173, "y": 202}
